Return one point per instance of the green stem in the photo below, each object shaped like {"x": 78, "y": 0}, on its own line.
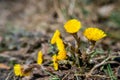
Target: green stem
{"x": 77, "y": 60}
{"x": 78, "y": 53}
{"x": 91, "y": 47}
{"x": 77, "y": 39}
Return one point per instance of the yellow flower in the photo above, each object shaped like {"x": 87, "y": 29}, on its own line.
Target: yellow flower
{"x": 94, "y": 34}
{"x": 18, "y": 70}
{"x": 72, "y": 26}
{"x": 55, "y": 36}
{"x": 39, "y": 58}
{"x": 62, "y": 55}
{"x": 55, "y": 64}
{"x": 60, "y": 44}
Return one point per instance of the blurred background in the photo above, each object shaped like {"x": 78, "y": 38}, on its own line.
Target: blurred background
{"x": 22, "y": 16}
{"x": 38, "y": 14}
{"x": 26, "y": 24}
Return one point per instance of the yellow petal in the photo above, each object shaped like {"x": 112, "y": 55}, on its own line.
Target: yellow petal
{"x": 60, "y": 44}
{"x": 54, "y": 58}
{"x": 62, "y": 55}
{"x": 55, "y": 64}
{"x": 55, "y": 36}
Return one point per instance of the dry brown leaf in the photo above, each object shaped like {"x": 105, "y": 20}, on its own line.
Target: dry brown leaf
{"x": 3, "y": 66}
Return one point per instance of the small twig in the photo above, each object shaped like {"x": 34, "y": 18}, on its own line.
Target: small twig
{"x": 100, "y": 76}
{"x": 7, "y": 78}
{"x": 80, "y": 75}
{"x": 45, "y": 70}
{"x": 77, "y": 39}
{"x": 65, "y": 75}
{"x": 90, "y": 49}
{"x": 112, "y": 62}
{"x": 102, "y": 57}
{"x": 99, "y": 58}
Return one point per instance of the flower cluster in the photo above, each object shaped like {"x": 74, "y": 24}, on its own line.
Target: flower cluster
{"x": 92, "y": 34}
{"x": 62, "y": 55}
{"x": 76, "y": 56}
{"x": 73, "y": 26}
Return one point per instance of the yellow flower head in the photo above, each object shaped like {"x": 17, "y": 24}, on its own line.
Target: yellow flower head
{"x": 18, "y": 70}
{"x": 72, "y": 26}
{"x": 55, "y": 36}
{"x": 40, "y": 58}
{"x": 54, "y": 58}
{"x": 55, "y": 64}
{"x": 94, "y": 34}
{"x": 62, "y": 55}
{"x": 60, "y": 44}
